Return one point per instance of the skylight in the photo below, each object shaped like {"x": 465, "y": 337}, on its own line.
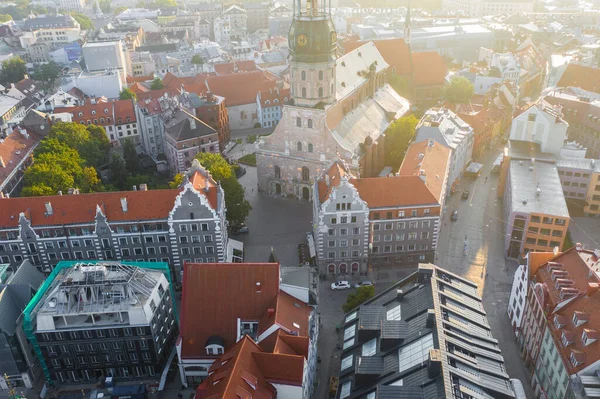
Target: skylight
{"x": 394, "y": 313}
{"x": 414, "y": 353}
{"x": 370, "y": 347}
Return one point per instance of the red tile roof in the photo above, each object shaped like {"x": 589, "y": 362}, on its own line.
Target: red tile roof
{"x": 289, "y": 313}
{"x": 222, "y": 293}
{"x": 335, "y": 173}
{"x": 99, "y": 113}
{"x": 245, "y": 371}
{"x": 381, "y": 192}
{"x": 138, "y": 88}
{"x": 133, "y": 79}
{"x": 193, "y": 84}
{"x": 429, "y": 68}
{"x": 433, "y": 160}
{"x": 241, "y": 88}
{"x": 124, "y": 111}
{"x": 81, "y": 208}
{"x": 235, "y": 67}
{"x": 281, "y": 95}
{"x": 152, "y": 106}
{"x": 586, "y": 78}
{"x": 14, "y": 150}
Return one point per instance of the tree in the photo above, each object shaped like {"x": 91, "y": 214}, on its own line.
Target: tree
{"x": 127, "y": 94}
{"x": 177, "y": 180}
{"x": 157, "y": 84}
{"x": 238, "y": 207}
{"x": 160, "y": 4}
{"x": 46, "y": 73}
{"x": 361, "y": 295}
{"x": 5, "y": 18}
{"x": 85, "y": 23}
{"x": 459, "y": 90}
{"x": 118, "y": 10}
{"x": 130, "y": 156}
{"x": 397, "y": 138}
{"x": 89, "y": 141}
{"x": 118, "y": 172}
{"x": 197, "y": 59}
{"x": 13, "y": 70}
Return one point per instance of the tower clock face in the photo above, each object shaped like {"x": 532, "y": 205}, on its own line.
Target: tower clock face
{"x": 302, "y": 40}
{"x": 333, "y": 37}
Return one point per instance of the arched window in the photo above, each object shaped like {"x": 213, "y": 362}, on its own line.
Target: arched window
{"x": 310, "y": 147}
{"x": 304, "y": 92}
{"x": 320, "y": 92}
{"x": 299, "y": 146}
{"x": 320, "y": 75}
{"x": 309, "y": 123}
{"x": 277, "y": 172}
{"x": 303, "y": 74}
{"x": 305, "y": 173}
{"x": 298, "y": 122}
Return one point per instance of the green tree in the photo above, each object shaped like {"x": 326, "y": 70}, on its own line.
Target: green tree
{"x": 197, "y": 59}
{"x": 177, "y": 180}
{"x": 361, "y": 295}
{"x": 118, "y": 172}
{"x": 13, "y": 70}
{"x": 238, "y": 207}
{"x": 397, "y": 138}
{"x": 5, "y": 18}
{"x": 130, "y": 156}
{"x": 160, "y": 4}
{"x": 90, "y": 141}
{"x": 118, "y": 10}
{"x": 157, "y": 84}
{"x": 459, "y": 91}
{"x": 84, "y": 21}
{"x": 47, "y": 74}
{"x": 127, "y": 94}
{"x": 401, "y": 85}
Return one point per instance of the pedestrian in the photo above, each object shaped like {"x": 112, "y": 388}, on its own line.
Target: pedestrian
{"x": 486, "y": 179}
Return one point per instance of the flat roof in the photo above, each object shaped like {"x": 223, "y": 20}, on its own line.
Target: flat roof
{"x": 525, "y": 180}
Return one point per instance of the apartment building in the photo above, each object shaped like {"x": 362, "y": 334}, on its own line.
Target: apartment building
{"x": 91, "y": 320}
{"x": 186, "y": 136}
{"x": 559, "y": 328}
{"x": 446, "y": 128}
{"x": 172, "y": 225}
{"x": 405, "y": 343}
{"x": 541, "y": 123}
{"x": 20, "y": 367}
{"x": 254, "y": 308}
{"x": 117, "y": 117}
{"x": 212, "y": 110}
{"x": 380, "y": 221}
{"x": 47, "y": 32}
{"x": 576, "y": 177}
{"x": 269, "y": 105}
{"x": 592, "y": 202}
{"x": 149, "y": 114}
{"x": 142, "y": 64}
{"x": 535, "y": 210}
{"x": 102, "y": 56}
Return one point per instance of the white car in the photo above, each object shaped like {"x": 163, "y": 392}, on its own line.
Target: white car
{"x": 363, "y": 284}
{"x": 340, "y": 285}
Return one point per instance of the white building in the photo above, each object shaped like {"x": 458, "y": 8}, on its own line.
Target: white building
{"x": 446, "y": 128}
{"x": 506, "y": 63}
{"x": 108, "y": 84}
{"x": 541, "y": 123}
{"x": 221, "y": 31}
{"x": 480, "y": 8}
{"x": 103, "y": 56}
{"x": 142, "y": 64}
{"x": 48, "y": 32}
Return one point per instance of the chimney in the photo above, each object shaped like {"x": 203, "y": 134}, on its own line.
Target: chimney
{"x": 192, "y": 123}
{"x": 592, "y": 289}
{"x": 271, "y": 312}
{"x": 327, "y": 180}
{"x": 124, "y": 204}
{"x": 49, "y": 210}
{"x": 555, "y": 251}
{"x": 2, "y": 164}
{"x": 1, "y": 194}
{"x": 258, "y": 289}
{"x": 578, "y": 247}
{"x": 134, "y": 188}
{"x": 143, "y": 187}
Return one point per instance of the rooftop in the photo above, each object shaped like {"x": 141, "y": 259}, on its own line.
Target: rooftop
{"x": 445, "y": 127}
{"x": 421, "y": 338}
{"x": 14, "y": 150}
{"x": 536, "y": 188}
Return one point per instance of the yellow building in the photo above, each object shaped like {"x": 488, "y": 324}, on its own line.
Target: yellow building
{"x": 592, "y": 203}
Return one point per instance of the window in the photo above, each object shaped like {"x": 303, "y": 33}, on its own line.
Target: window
{"x": 414, "y": 353}
{"x": 320, "y": 75}
{"x": 299, "y": 123}
{"x": 394, "y": 313}
{"x": 369, "y": 348}
{"x": 303, "y": 75}
{"x": 412, "y": 236}
{"x": 310, "y": 147}
{"x": 277, "y": 171}
{"x": 321, "y": 94}
{"x": 347, "y": 362}
{"x": 401, "y": 225}
{"x": 309, "y": 123}
{"x": 305, "y": 173}
{"x": 400, "y": 214}
{"x": 414, "y": 213}
{"x": 345, "y": 390}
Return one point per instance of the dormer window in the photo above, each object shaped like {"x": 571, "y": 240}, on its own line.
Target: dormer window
{"x": 267, "y": 102}
{"x": 106, "y": 110}
{"x": 80, "y": 114}
{"x": 557, "y": 322}
{"x": 565, "y": 339}
{"x": 575, "y": 358}
{"x": 93, "y": 112}
{"x": 588, "y": 336}
{"x": 579, "y": 318}
{"x": 215, "y": 345}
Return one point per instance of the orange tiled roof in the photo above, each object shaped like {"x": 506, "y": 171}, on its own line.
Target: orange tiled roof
{"x": 138, "y": 88}
{"x": 394, "y": 51}
{"x": 102, "y": 113}
{"x": 235, "y": 67}
{"x": 133, "y": 79}
{"x": 222, "y": 293}
{"x": 434, "y": 161}
{"x": 335, "y": 173}
{"x": 270, "y": 95}
{"x": 241, "y": 88}
{"x": 81, "y": 208}
{"x": 429, "y": 68}
{"x": 381, "y": 192}
{"x": 14, "y": 150}
{"x": 586, "y": 78}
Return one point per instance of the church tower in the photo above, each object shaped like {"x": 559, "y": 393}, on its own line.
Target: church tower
{"x": 407, "y": 26}
{"x": 313, "y": 52}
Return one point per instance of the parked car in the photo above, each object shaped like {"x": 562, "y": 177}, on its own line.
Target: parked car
{"x": 465, "y": 194}
{"x": 363, "y": 284}
{"x": 340, "y": 285}
{"x": 239, "y": 229}
{"x": 454, "y": 216}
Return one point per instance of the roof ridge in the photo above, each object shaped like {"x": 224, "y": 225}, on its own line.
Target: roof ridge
{"x": 244, "y": 340}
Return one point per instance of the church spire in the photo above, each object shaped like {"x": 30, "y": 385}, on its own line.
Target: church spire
{"x": 407, "y": 25}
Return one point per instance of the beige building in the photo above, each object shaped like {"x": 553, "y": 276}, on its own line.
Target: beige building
{"x": 592, "y": 203}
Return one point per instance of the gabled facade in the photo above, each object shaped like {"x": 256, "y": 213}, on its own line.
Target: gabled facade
{"x": 541, "y": 123}
{"x": 173, "y": 226}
